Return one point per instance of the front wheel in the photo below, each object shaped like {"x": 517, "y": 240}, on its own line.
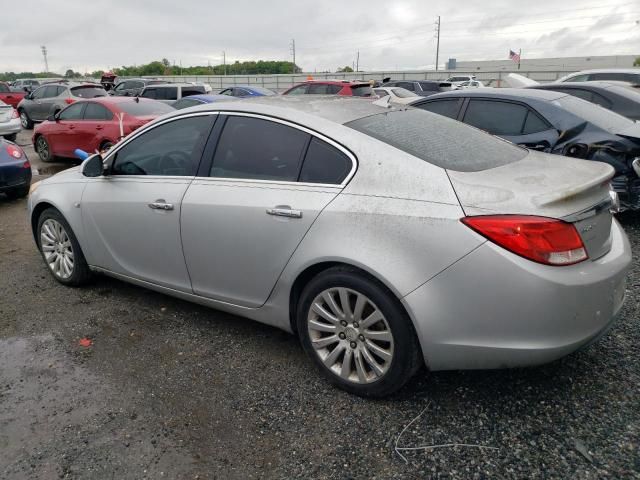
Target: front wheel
{"x": 60, "y": 249}
{"x": 357, "y": 333}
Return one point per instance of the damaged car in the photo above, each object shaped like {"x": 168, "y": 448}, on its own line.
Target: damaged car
{"x": 552, "y": 122}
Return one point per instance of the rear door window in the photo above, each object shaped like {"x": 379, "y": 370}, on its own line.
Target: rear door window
{"x": 430, "y": 87}
{"x": 192, "y": 91}
{"x": 495, "y": 117}
{"x": 149, "y": 93}
{"x": 167, "y": 93}
{"x": 448, "y": 108}
{"x": 324, "y": 163}
{"x": 4, "y": 88}
{"x": 406, "y": 85}
{"x": 95, "y": 111}
{"x": 318, "y": 89}
{"x": 534, "y": 124}
{"x": 299, "y": 90}
{"x": 254, "y": 148}
{"x": 362, "y": 91}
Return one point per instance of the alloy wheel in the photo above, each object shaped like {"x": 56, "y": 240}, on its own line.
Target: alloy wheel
{"x": 24, "y": 120}
{"x": 43, "y": 148}
{"x": 350, "y": 335}
{"x": 57, "y": 249}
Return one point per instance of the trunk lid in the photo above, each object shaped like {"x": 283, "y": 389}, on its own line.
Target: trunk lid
{"x": 5, "y": 113}
{"x": 546, "y": 185}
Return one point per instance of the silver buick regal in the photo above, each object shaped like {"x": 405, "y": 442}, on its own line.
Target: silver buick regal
{"x": 385, "y": 238}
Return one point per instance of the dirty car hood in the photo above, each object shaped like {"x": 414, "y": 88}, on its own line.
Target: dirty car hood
{"x": 539, "y": 184}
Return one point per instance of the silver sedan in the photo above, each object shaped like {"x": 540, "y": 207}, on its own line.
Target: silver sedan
{"x": 385, "y": 238}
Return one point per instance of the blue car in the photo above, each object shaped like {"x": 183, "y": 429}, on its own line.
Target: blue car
{"x": 247, "y": 91}
{"x": 193, "y": 100}
{"x": 15, "y": 170}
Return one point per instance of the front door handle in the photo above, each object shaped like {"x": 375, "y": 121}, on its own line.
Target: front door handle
{"x": 160, "y": 205}
{"x": 284, "y": 212}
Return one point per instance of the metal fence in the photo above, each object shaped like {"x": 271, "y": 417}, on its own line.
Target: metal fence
{"x": 282, "y": 82}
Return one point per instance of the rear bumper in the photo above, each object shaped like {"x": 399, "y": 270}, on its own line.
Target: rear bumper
{"x": 494, "y": 309}
{"x": 10, "y": 127}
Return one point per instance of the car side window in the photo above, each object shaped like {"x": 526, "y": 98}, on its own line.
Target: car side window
{"x": 4, "y": 88}
{"x": 534, "y": 124}
{"x": 497, "y": 118}
{"x": 226, "y": 91}
{"x": 149, "y": 93}
{"x": 171, "y": 149}
{"x": 254, "y": 148}
{"x": 191, "y": 91}
{"x": 324, "y": 163}
{"x": 39, "y": 93}
{"x": 136, "y": 85}
{"x": 577, "y": 92}
{"x": 600, "y": 100}
{"x": 407, "y": 85}
{"x": 49, "y": 91}
{"x": 122, "y": 86}
{"x": 240, "y": 92}
{"x": 448, "y": 108}
{"x": 95, "y": 111}
{"x": 72, "y": 112}
{"x": 59, "y": 90}
{"x": 318, "y": 89}
{"x": 333, "y": 89}
{"x": 299, "y": 90}
{"x": 185, "y": 103}
{"x": 578, "y": 78}
{"x": 381, "y": 93}
{"x": 167, "y": 93}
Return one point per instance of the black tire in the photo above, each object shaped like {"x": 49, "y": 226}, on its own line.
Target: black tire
{"x": 407, "y": 354}
{"x": 12, "y": 137}
{"x": 25, "y": 120}
{"x": 20, "y": 192}
{"x": 81, "y": 274}
{"x": 43, "y": 149}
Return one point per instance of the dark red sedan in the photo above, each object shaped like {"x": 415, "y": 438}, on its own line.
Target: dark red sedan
{"x": 93, "y": 125}
{"x": 349, "y": 88}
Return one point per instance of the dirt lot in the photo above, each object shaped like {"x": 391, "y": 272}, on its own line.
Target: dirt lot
{"x": 172, "y": 390}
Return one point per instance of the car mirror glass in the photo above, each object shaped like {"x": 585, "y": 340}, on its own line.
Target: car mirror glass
{"x": 93, "y": 166}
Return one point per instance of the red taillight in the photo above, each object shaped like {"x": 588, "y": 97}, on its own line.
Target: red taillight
{"x": 541, "y": 239}
{"x": 15, "y": 114}
{"x": 14, "y": 151}
{"x": 69, "y": 101}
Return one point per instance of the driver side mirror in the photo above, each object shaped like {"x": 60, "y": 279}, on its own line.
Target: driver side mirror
{"x": 93, "y": 166}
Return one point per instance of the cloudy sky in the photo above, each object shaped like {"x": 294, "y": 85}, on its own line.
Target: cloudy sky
{"x": 86, "y": 36}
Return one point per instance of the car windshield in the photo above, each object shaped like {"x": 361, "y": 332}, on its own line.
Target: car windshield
{"x": 263, "y": 91}
{"x": 362, "y": 91}
{"x": 594, "y": 114}
{"x": 88, "y": 92}
{"x": 403, "y": 93}
{"x": 438, "y": 140}
{"x": 142, "y": 109}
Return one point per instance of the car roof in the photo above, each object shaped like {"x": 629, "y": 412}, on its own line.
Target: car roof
{"x": 109, "y": 100}
{"x": 333, "y": 82}
{"x": 595, "y": 85}
{"x": 504, "y": 93}
{"x": 609, "y": 70}
{"x": 334, "y": 108}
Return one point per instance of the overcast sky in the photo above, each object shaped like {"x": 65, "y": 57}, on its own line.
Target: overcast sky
{"x": 85, "y": 35}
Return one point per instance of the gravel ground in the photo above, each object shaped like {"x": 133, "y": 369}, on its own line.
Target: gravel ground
{"x": 173, "y": 390}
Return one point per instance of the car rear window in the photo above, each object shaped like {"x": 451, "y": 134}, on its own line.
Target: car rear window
{"x": 263, "y": 91}
{"x": 595, "y": 114}
{"x": 439, "y": 140}
{"x": 88, "y": 92}
{"x": 362, "y": 91}
{"x": 141, "y": 109}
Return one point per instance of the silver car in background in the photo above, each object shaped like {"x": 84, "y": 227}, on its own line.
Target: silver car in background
{"x": 10, "y": 124}
{"x": 385, "y": 238}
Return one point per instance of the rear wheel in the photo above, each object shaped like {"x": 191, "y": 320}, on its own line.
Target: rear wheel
{"x": 25, "y": 121}
{"x": 60, "y": 249}
{"x": 357, "y": 333}
{"x": 43, "y": 149}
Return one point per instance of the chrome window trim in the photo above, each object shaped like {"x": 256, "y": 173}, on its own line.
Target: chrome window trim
{"x": 313, "y": 133}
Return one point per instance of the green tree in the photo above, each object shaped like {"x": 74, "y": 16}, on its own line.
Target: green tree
{"x": 637, "y": 62}
{"x": 346, "y": 69}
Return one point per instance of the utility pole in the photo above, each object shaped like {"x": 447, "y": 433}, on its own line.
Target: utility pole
{"x": 438, "y": 42}
{"x": 358, "y": 61}
{"x": 224, "y": 61}
{"x": 292, "y": 46}
{"x": 44, "y": 54}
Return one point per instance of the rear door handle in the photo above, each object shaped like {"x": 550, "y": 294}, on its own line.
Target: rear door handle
{"x": 160, "y": 205}
{"x": 99, "y": 127}
{"x": 284, "y": 212}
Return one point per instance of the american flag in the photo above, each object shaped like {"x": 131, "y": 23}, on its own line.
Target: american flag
{"x": 514, "y": 56}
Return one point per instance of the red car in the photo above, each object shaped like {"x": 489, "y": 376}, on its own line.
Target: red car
{"x": 9, "y": 97}
{"x": 347, "y": 88}
{"x": 93, "y": 125}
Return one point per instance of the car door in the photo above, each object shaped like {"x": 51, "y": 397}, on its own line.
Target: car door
{"x": 121, "y": 89}
{"x": 512, "y": 121}
{"x": 67, "y": 134}
{"x": 94, "y": 126}
{"x": 131, "y": 216}
{"x": 245, "y": 214}
{"x": 43, "y": 102}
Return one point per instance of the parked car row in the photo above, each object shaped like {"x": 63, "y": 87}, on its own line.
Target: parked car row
{"x": 381, "y": 236}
